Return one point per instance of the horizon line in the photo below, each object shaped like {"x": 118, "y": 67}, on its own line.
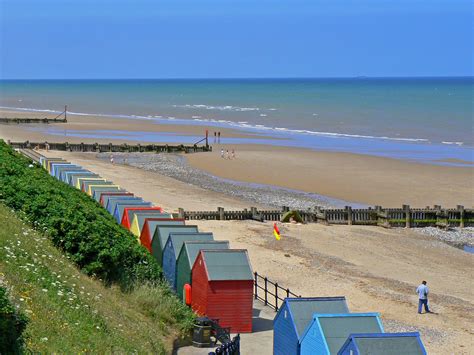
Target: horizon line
{"x": 253, "y": 78}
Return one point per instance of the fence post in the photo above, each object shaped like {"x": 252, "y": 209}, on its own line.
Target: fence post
{"x": 256, "y": 285}
{"x": 181, "y": 212}
{"x": 461, "y": 216}
{"x": 220, "y": 210}
{"x": 276, "y": 296}
{"x": 266, "y": 290}
{"x": 406, "y": 208}
{"x": 349, "y": 215}
{"x": 287, "y": 292}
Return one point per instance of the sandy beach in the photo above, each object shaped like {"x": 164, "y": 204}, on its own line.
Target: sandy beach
{"x": 376, "y": 269}
{"x": 354, "y": 178}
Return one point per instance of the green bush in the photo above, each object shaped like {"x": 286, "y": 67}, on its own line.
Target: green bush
{"x": 12, "y": 324}
{"x": 75, "y": 223}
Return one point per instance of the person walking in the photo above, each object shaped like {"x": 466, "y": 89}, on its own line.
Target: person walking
{"x": 219, "y": 137}
{"x": 423, "y": 292}
{"x": 222, "y": 152}
{"x": 215, "y": 134}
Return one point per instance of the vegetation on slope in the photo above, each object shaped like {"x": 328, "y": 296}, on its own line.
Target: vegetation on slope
{"x": 71, "y": 312}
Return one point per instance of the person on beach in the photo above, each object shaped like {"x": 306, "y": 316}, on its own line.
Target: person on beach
{"x": 423, "y": 292}
{"x": 218, "y": 137}
{"x": 222, "y": 153}
{"x": 233, "y": 154}
{"x": 227, "y": 156}
{"x": 112, "y": 158}
{"x": 215, "y": 136}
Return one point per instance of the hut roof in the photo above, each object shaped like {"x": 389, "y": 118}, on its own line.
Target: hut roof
{"x": 388, "y": 343}
{"x": 193, "y": 248}
{"x": 337, "y": 327}
{"x": 164, "y": 232}
{"x": 178, "y": 239}
{"x": 112, "y": 201}
{"x": 122, "y": 205}
{"x": 227, "y": 264}
{"x": 302, "y": 309}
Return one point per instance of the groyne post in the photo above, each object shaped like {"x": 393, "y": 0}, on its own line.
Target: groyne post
{"x": 349, "y": 215}
{"x": 181, "y": 213}
{"x": 461, "y": 215}
{"x": 220, "y": 210}
{"x": 406, "y": 208}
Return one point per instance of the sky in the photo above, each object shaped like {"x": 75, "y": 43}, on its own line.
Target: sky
{"x": 92, "y": 39}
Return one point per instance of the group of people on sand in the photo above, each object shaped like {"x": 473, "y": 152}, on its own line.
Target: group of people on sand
{"x": 227, "y": 155}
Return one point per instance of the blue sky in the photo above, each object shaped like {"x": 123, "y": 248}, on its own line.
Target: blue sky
{"x": 242, "y": 38}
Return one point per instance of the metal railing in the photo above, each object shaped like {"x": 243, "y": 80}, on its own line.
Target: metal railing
{"x": 269, "y": 292}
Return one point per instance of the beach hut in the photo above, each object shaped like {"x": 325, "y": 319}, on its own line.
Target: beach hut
{"x": 160, "y": 237}
{"x": 222, "y": 288}
{"x": 90, "y": 187}
{"x": 295, "y": 315}
{"x": 139, "y": 218}
{"x": 383, "y": 343}
{"x": 120, "y": 207}
{"x": 80, "y": 180}
{"x": 56, "y": 165}
{"x": 73, "y": 179}
{"x": 327, "y": 332}
{"x": 97, "y": 191}
{"x": 65, "y": 175}
{"x": 172, "y": 249}
{"x": 59, "y": 169}
{"x": 111, "y": 202}
{"x": 150, "y": 225}
{"x": 49, "y": 161}
{"x": 44, "y": 161}
{"x": 186, "y": 258}
{"x": 129, "y": 214}
{"x": 105, "y": 195}
{"x": 86, "y": 184}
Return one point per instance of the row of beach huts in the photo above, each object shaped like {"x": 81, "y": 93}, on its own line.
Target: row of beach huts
{"x": 217, "y": 281}
{"x": 213, "y": 279}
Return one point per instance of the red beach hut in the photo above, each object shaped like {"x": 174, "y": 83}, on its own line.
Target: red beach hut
{"x": 222, "y": 288}
{"x": 126, "y": 222}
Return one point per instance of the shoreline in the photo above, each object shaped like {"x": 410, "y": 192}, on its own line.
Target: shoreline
{"x": 144, "y": 129}
{"x": 358, "y": 178}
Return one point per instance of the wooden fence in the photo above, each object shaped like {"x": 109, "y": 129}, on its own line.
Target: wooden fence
{"x": 377, "y": 216}
{"x": 269, "y": 292}
{"x": 109, "y": 147}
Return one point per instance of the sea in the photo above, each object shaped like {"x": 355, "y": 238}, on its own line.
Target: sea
{"x": 421, "y": 119}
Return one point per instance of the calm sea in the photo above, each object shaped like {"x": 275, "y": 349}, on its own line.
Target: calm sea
{"x": 391, "y": 115}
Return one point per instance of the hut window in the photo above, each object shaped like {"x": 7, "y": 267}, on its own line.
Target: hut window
{"x": 285, "y": 314}
{"x": 200, "y": 262}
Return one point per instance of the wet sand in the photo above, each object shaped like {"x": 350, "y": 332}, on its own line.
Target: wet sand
{"x": 349, "y": 177}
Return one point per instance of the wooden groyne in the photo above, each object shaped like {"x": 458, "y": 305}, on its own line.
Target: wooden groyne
{"x": 373, "y": 216}
{"x": 109, "y": 147}
{"x": 61, "y": 118}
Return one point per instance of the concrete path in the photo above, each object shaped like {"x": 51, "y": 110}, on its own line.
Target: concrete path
{"x": 260, "y": 341}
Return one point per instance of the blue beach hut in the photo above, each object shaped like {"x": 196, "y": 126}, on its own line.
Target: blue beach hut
{"x": 65, "y": 175}
{"x": 327, "y": 333}
{"x": 120, "y": 207}
{"x": 59, "y": 169}
{"x": 295, "y": 315}
{"x": 54, "y": 166}
{"x": 383, "y": 343}
{"x": 173, "y": 247}
{"x": 161, "y": 236}
{"x": 110, "y": 202}
{"x": 97, "y": 191}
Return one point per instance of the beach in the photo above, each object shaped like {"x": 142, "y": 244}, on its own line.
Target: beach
{"x": 358, "y": 179}
{"x": 377, "y": 269}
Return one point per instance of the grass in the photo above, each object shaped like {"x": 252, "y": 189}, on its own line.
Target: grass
{"x": 70, "y": 312}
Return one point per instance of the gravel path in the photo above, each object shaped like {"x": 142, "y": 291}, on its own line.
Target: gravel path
{"x": 175, "y": 166}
